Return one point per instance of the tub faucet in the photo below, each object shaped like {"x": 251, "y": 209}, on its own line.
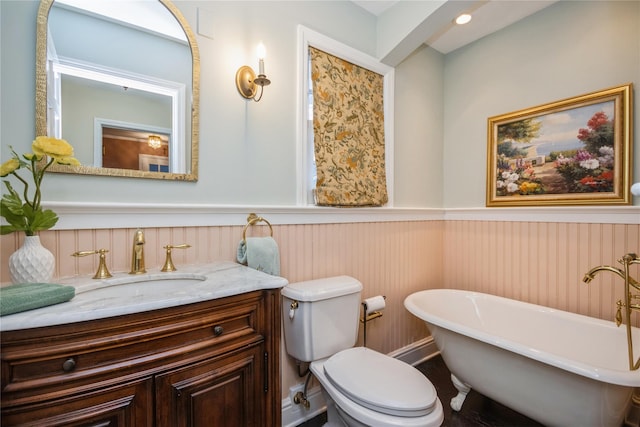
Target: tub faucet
{"x": 591, "y": 274}
{"x": 628, "y": 303}
{"x": 137, "y": 253}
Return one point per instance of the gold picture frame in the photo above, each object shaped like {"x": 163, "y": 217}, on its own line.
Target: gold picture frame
{"x": 575, "y": 151}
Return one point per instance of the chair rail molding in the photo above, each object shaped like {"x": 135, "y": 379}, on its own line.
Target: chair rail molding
{"x": 75, "y": 215}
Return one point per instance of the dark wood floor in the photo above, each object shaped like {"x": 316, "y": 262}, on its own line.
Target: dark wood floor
{"x": 477, "y": 410}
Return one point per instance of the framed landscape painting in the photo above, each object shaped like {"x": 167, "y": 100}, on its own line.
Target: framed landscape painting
{"x": 571, "y": 152}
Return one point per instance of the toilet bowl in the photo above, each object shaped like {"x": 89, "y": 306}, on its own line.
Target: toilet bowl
{"x": 377, "y": 390}
{"x": 362, "y": 387}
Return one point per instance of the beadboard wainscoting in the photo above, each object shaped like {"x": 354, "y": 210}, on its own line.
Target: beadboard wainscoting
{"x": 390, "y": 258}
{"x": 540, "y": 262}
{"x": 518, "y": 257}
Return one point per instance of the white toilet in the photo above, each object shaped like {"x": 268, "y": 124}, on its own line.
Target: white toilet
{"x": 362, "y": 387}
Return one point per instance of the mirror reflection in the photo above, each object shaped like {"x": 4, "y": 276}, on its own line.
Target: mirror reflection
{"x": 119, "y": 81}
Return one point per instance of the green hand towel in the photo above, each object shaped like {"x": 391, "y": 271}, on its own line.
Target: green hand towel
{"x": 261, "y": 253}
{"x": 28, "y": 296}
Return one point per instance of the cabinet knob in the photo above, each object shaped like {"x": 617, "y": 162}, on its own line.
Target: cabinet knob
{"x": 69, "y": 365}
{"x": 218, "y": 330}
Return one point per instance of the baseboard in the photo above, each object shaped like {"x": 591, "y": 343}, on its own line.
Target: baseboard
{"x": 294, "y": 415}
{"x": 417, "y": 352}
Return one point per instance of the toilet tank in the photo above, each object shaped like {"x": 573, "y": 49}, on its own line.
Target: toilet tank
{"x": 320, "y": 317}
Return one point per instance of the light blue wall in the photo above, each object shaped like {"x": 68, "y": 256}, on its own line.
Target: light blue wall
{"x": 568, "y": 49}
{"x": 248, "y": 149}
{"x": 419, "y": 129}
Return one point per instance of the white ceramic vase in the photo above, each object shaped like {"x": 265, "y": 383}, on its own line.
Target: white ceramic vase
{"x": 32, "y": 262}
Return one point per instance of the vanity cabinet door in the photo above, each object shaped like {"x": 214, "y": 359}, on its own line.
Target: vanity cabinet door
{"x": 127, "y": 405}
{"x": 227, "y": 391}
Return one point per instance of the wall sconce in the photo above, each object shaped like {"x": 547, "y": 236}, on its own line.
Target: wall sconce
{"x": 154, "y": 141}
{"x": 246, "y": 80}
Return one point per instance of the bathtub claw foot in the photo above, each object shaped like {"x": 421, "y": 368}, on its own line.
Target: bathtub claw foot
{"x": 463, "y": 390}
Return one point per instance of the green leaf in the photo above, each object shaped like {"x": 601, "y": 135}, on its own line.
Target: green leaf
{"x": 29, "y": 217}
{"x": 11, "y": 201}
{"x": 43, "y": 220}
{"x": 11, "y": 206}
{"x": 20, "y": 215}
{"x": 14, "y": 225}
{"x": 16, "y": 221}
{"x": 7, "y": 229}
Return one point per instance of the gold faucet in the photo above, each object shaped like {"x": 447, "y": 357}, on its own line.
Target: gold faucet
{"x": 591, "y": 274}
{"x": 628, "y": 305}
{"x": 103, "y": 271}
{"x": 137, "y": 253}
{"x": 168, "y": 263}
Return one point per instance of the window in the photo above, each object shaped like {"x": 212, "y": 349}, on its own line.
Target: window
{"x": 306, "y": 166}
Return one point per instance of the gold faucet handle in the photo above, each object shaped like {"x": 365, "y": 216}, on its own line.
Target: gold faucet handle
{"x": 629, "y": 258}
{"x": 618, "y": 317}
{"x": 168, "y": 262}
{"x": 85, "y": 253}
{"x": 103, "y": 271}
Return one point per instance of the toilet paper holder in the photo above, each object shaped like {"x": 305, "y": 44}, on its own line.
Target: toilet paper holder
{"x": 370, "y": 315}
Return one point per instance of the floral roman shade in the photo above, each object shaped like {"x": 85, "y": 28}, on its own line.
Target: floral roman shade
{"x": 348, "y": 128}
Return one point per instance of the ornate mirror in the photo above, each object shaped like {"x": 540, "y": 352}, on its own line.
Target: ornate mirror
{"x": 119, "y": 80}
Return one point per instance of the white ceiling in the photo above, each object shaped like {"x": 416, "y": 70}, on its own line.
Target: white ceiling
{"x": 488, "y": 16}
{"x": 375, "y": 6}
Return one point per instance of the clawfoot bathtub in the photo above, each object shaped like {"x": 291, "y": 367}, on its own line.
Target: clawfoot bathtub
{"x": 556, "y": 367}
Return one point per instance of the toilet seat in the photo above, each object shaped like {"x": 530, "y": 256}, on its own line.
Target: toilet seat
{"x": 369, "y": 417}
{"x": 381, "y": 383}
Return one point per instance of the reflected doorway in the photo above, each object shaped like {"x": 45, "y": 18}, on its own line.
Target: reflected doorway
{"x": 135, "y": 150}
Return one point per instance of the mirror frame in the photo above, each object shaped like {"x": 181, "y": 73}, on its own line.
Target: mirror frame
{"x": 41, "y": 102}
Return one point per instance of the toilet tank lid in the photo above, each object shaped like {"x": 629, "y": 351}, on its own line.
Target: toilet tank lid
{"x": 320, "y": 289}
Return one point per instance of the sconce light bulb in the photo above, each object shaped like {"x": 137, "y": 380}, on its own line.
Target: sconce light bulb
{"x": 261, "y": 51}
{"x": 635, "y": 189}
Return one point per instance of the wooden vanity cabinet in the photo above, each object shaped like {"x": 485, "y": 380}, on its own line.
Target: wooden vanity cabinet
{"x": 212, "y": 363}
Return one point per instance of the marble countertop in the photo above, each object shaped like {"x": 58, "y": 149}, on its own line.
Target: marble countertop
{"x": 126, "y": 294}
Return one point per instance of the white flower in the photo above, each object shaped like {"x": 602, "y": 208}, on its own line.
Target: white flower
{"x": 513, "y": 177}
{"x": 500, "y": 184}
{"x": 561, "y": 160}
{"x": 606, "y": 150}
{"x": 505, "y": 174}
{"x": 606, "y": 159}
{"x": 512, "y": 188}
{"x": 590, "y": 164}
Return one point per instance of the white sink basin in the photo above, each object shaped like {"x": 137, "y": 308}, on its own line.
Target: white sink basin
{"x": 126, "y": 293}
{"x": 154, "y": 286}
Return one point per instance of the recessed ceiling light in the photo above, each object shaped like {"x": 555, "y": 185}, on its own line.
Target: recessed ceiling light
{"x": 463, "y": 19}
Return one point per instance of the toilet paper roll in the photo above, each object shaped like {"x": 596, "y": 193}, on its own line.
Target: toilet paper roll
{"x": 374, "y": 304}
